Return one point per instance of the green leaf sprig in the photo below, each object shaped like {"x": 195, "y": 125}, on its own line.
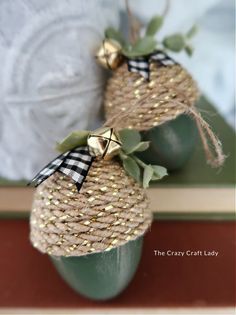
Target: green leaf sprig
{"x": 141, "y": 172}
{"x": 74, "y": 139}
{"x": 147, "y": 44}
{"x": 131, "y": 143}
{"x": 178, "y": 42}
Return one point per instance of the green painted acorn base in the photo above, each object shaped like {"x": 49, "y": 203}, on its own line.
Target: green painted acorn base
{"x": 171, "y": 144}
{"x": 101, "y": 276}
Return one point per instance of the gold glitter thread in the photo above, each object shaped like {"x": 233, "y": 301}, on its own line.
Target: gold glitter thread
{"x": 93, "y": 220}
{"x": 154, "y": 102}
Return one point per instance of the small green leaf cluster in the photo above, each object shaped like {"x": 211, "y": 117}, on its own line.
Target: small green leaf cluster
{"x": 141, "y": 172}
{"x": 178, "y": 42}
{"x": 74, "y": 139}
{"x": 147, "y": 44}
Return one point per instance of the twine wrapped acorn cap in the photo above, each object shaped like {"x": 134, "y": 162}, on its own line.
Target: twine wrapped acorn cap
{"x": 169, "y": 93}
{"x": 109, "y": 211}
{"x": 133, "y": 102}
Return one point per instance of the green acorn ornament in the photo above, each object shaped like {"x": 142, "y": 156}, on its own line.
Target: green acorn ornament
{"x": 90, "y": 212}
{"x": 158, "y": 96}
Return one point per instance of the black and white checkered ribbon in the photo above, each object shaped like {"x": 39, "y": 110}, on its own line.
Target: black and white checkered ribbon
{"x": 74, "y": 163}
{"x": 142, "y": 64}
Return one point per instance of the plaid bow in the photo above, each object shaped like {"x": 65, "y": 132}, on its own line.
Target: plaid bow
{"x": 141, "y": 64}
{"x": 74, "y": 163}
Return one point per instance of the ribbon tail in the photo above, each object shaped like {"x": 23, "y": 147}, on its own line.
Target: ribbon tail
{"x": 48, "y": 170}
{"x": 76, "y": 165}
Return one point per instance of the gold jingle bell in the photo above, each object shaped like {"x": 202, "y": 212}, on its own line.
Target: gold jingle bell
{"x": 109, "y": 54}
{"x": 104, "y": 143}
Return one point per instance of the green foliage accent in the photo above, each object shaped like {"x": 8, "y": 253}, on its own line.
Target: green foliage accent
{"x": 178, "y": 42}
{"x": 175, "y": 42}
{"x": 131, "y": 167}
{"x": 147, "y": 44}
{"x": 147, "y": 175}
{"x": 154, "y": 25}
{"x": 142, "y": 47}
{"x": 141, "y": 172}
{"x": 193, "y": 30}
{"x": 130, "y": 139}
{"x": 140, "y": 147}
{"x": 73, "y": 140}
{"x": 189, "y": 50}
{"x": 158, "y": 172}
{"x": 112, "y": 33}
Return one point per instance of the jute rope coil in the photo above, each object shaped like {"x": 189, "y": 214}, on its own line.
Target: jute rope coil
{"x": 110, "y": 210}
{"x": 132, "y": 102}
{"x": 151, "y": 101}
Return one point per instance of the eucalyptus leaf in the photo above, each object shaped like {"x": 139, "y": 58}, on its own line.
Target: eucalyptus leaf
{"x": 142, "y": 47}
{"x": 122, "y": 155}
{"x": 142, "y": 146}
{"x": 130, "y": 138}
{"x": 129, "y": 52}
{"x": 192, "y": 31}
{"x": 189, "y": 50}
{"x": 155, "y": 177}
{"x": 159, "y": 171}
{"x": 132, "y": 168}
{"x": 74, "y": 139}
{"x": 112, "y": 33}
{"x": 147, "y": 175}
{"x": 175, "y": 42}
{"x": 145, "y": 44}
{"x": 154, "y": 25}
